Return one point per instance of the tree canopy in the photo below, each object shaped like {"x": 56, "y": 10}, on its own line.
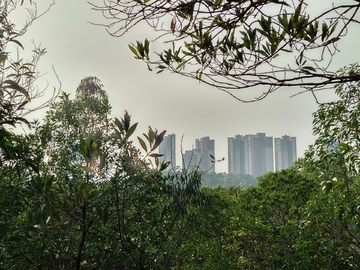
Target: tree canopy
{"x": 75, "y": 192}
{"x": 241, "y": 44}
{"x": 213, "y": 179}
{"x": 17, "y": 84}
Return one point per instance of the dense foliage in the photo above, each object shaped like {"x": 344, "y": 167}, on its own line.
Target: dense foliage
{"x": 91, "y": 184}
{"x": 226, "y": 180}
{"x": 75, "y": 193}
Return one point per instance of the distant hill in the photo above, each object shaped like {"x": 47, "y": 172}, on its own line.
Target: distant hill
{"x": 224, "y": 179}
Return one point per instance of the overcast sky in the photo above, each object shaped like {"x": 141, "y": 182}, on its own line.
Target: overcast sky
{"x": 78, "y": 49}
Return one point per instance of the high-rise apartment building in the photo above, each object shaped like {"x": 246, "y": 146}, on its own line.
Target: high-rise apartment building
{"x": 250, "y": 154}
{"x": 200, "y": 156}
{"x": 285, "y": 152}
{"x": 236, "y": 154}
{"x": 264, "y": 154}
{"x": 168, "y": 149}
{"x": 191, "y": 158}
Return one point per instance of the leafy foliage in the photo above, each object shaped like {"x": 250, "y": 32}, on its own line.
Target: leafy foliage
{"x": 335, "y": 157}
{"x": 75, "y": 193}
{"x": 91, "y": 200}
{"x": 235, "y": 45}
{"x": 93, "y": 184}
{"x": 19, "y": 154}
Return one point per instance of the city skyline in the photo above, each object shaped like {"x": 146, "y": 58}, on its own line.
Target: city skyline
{"x": 253, "y": 154}
{"x": 200, "y": 156}
{"x": 250, "y": 154}
{"x": 163, "y": 101}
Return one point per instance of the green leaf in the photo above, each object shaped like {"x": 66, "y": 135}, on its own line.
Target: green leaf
{"x": 200, "y": 75}
{"x": 119, "y": 124}
{"x": 308, "y": 68}
{"x": 84, "y": 150}
{"x": 172, "y": 25}
{"x": 126, "y": 121}
{"x": 216, "y": 4}
{"x": 264, "y": 53}
{"x": 333, "y": 40}
{"x": 14, "y": 85}
{"x": 131, "y": 131}
{"x": 140, "y": 48}
{"x": 156, "y": 155}
{"x": 158, "y": 140}
{"x": 132, "y": 48}
{"x": 143, "y": 144}
{"x": 164, "y": 165}
{"x": 332, "y": 186}
{"x": 180, "y": 65}
{"x": 297, "y": 12}
{"x": 325, "y": 31}
{"x": 283, "y": 21}
{"x": 146, "y": 46}
{"x": 17, "y": 42}
{"x": 147, "y": 137}
{"x": 118, "y": 134}
{"x": 183, "y": 31}
{"x": 156, "y": 181}
{"x": 152, "y": 136}
{"x": 333, "y": 28}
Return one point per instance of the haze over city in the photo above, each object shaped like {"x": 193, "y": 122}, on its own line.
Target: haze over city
{"x": 191, "y": 110}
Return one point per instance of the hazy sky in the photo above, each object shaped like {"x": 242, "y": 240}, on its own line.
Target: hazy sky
{"x": 180, "y": 105}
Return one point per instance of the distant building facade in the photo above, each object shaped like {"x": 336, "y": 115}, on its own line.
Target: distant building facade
{"x": 236, "y": 154}
{"x": 250, "y": 154}
{"x": 263, "y": 157}
{"x": 285, "y": 152}
{"x": 168, "y": 149}
{"x": 200, "y": 156}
